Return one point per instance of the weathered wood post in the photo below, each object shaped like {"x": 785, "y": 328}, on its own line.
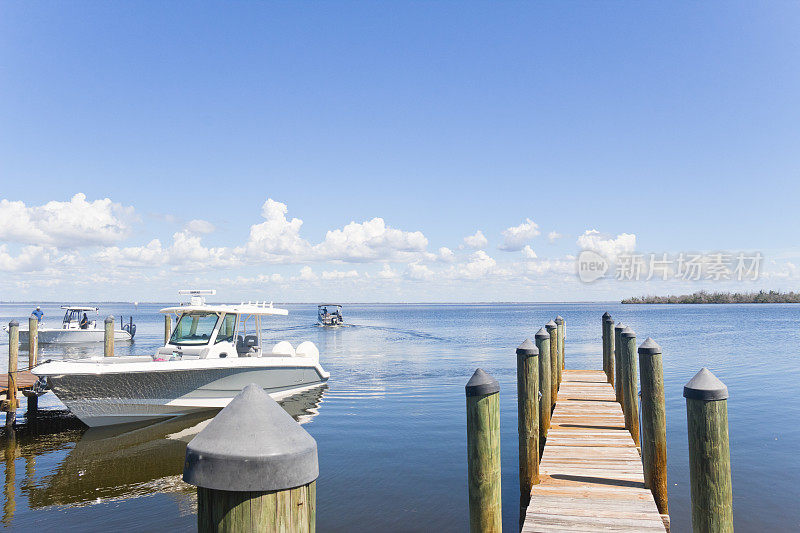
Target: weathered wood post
{"x": 654, "y": 422}
{"x": 560, "y": 329}
{"x": 167, "y": 328}
{"x": 543, "y": 343}
{"x": 33, "y": 341}
{"x": 528, "y": 419}
{"x": 709, "y": 453}
{"x": 629, "y": 380}
{"x": 552, "y": 329}
{"x": 9, "y": 488}
{"x": 618, "y": 364}
{"x": 483, "y": 453}
{"x": 254, "y": 467}
{"x": 108, "y": 337}
{"x": 608, "y": 347}
{"x": 13, "y": 356}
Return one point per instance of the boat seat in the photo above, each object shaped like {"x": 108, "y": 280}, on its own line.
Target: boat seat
{"x": 247, "y": 346}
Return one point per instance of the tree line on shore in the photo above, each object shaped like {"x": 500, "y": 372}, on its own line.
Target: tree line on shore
{"x": 703, "y": 297}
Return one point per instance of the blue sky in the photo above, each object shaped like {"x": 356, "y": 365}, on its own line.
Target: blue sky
{"x": 677, "y": 124}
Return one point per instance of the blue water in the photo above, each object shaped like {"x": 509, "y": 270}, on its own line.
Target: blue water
{"x": 391, "y": 425}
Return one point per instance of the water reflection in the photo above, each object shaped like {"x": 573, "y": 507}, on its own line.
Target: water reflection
{"x": 113, "y": 462}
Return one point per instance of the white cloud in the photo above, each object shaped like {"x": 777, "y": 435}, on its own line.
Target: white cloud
{"x": 306, "y": 274}
{"x": 480, "y": 265}
{"x": 277, "y": 238}
{"x": 30, "y": 259}
{"x": 477, "y": 241}
{"x": 387, "y": 272}
{"x": 553, "y": 236}
{"x": 369, "y": 241}
{"x": 528, "y": 252}
{"x": 608, "y": 247}
{"x": 418, "y": 272}
{"x": 65, "y": 224}
{"x": 201, "y": 227}
{"x": 446, "y": 255}
{"x": 339, "y": 275}
{"x": 516, "y": 237}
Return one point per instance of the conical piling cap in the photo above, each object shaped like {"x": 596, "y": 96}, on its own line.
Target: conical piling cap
{"x": 620, "y": 326}
{"x": 13, "y": 324}
{"x": 481, "y": 384}
{"x": 527, "y": 348}
{"x": 559, "y": 320}
{"x": 551, "y": 325}
{"x": 627, "y": 333}
{"x": 705, "y": 386}
{"x": 542, "y": 334}
{"x": 606, "y": 316}
{"x": 649, "y": 347}
{"x": 251, "y": 445}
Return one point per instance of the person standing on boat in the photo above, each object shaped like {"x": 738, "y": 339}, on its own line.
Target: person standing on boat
{"x": 84, "y": 322}
{"x": 38, "y": 313}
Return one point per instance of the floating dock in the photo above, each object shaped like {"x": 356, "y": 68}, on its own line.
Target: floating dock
{"x": 591, "y": 476}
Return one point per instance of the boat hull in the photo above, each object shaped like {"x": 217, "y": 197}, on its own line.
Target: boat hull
{"x": 73, "y": 336}
{"x": 118, "y": 398}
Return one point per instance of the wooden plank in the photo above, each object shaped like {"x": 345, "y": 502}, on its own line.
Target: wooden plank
{"x": 591, "y": 472}
{"x": 24, "y": 380}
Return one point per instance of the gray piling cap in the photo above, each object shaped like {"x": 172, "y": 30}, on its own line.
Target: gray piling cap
{"x": 620, "y": 325}
{"x": 251, "y": 445}
{"x": 649, "y": 347}
{"x": 606, "y": 316}
{"x": 109, "y": 318}
{"x": 13, "y": 324}
{"x": 551, "y": 325}
{"x": 559, "y": 320}
{"x": 627, "y": 333}
{"x": 542, "y": 334}
{"x": 705, "y": 386}
{"x": 527, "y": 348}
{"x": 481, "y": 384}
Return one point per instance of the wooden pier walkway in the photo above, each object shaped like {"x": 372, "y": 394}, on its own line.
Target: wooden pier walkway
{"x": 591, "y": 471}
{"x": 25, "y": 381}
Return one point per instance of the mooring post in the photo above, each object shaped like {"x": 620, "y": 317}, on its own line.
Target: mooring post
{"x": 483, "y": 453}
{"x": 619, "y": 389}
{"x": 167, "y": 328}
{"x": 560, "y": 329}
{"x": 528, "y": 418}
{"x": 552, "y": 329}
{"x": 108, "y": 337}
{"x": 254, "y": 467}
{"x": 709, "y": 453}
{"x": 629, "y": 379}
{"x": 13, "y": 356}
{"x": 654, "y": 422}
{"x": 608, "y": 347}
{"x": 543, "y": 343}
{"x": 33, "y": 341}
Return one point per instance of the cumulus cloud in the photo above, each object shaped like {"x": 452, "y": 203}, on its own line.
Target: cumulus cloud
{"x": 516, "y": 237}
{"x": 201, "y": 227}
{"x": 387, "y": 272}
{"x": 553, "y": 236}
{"x": 29, "y": 259}
{"x": 65, "y": 224}
{"x": 306, "y": 274}
{"x": 607, "y": 246}
{"x": 333, "y": 275}
{"x": 446, "y": 255}
{"x": 528, "y": 253}
{"x": 419, "y": 272}
{"x": 369, "y": 241}
{"x": 477, "y": 241}
{"x": 480, "y": 265}
{"x": 277, "y": 238}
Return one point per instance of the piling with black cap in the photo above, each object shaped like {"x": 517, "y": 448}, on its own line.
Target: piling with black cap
{"x": 618, "y": 364}
{"x": 608, "y": 347}
{"x": 709, "y": 453}
{"x": 560, "y": 330}
{"x": 528, "y": 418}
{"x": 543, "y": 343}
{"x": 629, "y": 379}
{"x": 33, "y": 341}
{"x": 255, "y": 468}
{"x": 552, "y": 329}
{"x": 108, "y": 337}
{"x": 483, "y": 453}
{"x": 654, "y": 422}
{"x": 13, "y": 356}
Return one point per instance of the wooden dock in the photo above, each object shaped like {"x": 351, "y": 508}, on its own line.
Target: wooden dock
{"x": 25, "y": 382}
{"x": 591, "y": 471}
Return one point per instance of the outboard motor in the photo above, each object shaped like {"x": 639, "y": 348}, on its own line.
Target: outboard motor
{"x": 130, "y": 327}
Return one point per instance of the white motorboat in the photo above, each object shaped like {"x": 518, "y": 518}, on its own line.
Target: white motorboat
{"x": 76, "y": 328}
{"x": 330, "y": 315}
{"x": 214, "y": 351}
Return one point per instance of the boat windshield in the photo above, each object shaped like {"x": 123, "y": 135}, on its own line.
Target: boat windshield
{"x": 194, "y": 328}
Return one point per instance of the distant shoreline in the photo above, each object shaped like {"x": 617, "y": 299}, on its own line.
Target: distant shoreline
{"x": 703, "y": 297}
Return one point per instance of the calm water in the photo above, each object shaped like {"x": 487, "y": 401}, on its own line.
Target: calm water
{"x": 391, "y": 425}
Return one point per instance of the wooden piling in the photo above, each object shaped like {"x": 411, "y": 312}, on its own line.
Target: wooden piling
{"x": 552, "y": 329}
{"x": 33, "y": 341}
{"x": 618, "y": 385}
{"x": 528, "y": 418}
{"x": 266, "y": 482}
{"x": 483, "y": 453}
{"x": 654, "y": 423}
{"x": 709, "y": 453}
{"x": 560, "y": 330}
{"x": 108, "y": 337}
{"x": 543, "y": 344}
{"x": 13, "y": 356}
{"x": 167, "y": 328}
{"x": 629, "y": 379}
{"x": 608, "y": 347}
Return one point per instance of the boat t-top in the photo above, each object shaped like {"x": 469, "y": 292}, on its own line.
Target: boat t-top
{"x": 330, "y": 315}
{"x": 213, "y": 352}
{"x": 78, "y": 326}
